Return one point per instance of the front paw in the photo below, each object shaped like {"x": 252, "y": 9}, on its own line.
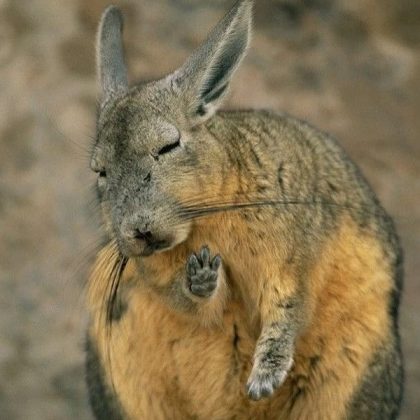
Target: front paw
{"x": 266, "y": 376}
{"x": 202, "y": 272}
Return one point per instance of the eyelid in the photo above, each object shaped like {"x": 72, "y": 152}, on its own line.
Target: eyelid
{"x": 95, "y": 163}
{"x": 169, "y": 147}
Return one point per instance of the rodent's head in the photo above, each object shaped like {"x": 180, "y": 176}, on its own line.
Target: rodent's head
{"x": 152, "y": 151}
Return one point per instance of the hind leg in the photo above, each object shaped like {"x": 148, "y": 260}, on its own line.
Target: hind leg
{"x": 379, "y": 397}
{"x": 337, "y": 381}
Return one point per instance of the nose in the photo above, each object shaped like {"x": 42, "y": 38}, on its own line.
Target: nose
{"x": 136, "y": 228}
{"x": 138, "y": 237}
{"x": 144, "y": 235}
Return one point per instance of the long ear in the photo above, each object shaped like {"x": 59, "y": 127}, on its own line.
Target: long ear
{"x": 112, "y": 71}
{"x": 204, "y": 78}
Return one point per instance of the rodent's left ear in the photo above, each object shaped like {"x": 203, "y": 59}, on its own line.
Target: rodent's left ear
{"x": 203, "y": 80}
{"x": 112, "y": 71}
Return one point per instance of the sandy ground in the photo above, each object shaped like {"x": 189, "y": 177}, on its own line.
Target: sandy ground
{"x": 350, "y": 67}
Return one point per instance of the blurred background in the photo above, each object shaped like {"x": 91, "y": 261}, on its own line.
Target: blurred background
{"x": 349, "y": 67}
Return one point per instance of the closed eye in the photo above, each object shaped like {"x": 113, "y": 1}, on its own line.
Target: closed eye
{"x": 169, "y": 147}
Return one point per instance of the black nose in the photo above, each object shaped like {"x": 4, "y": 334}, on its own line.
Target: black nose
{"x": 143, "y": 235}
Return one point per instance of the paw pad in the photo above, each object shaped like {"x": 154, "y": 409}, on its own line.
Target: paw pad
{"x": 202, "y": 272}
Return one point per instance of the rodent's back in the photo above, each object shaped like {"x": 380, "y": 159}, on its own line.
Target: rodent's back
{"x": 303, "y": 165}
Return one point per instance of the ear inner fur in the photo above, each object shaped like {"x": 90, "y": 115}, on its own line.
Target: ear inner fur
{"x": 112, "y": 71}
{"x": 204, "y": 78}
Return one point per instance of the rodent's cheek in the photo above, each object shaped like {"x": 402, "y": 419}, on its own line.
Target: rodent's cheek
{"x": 181, "y": 233}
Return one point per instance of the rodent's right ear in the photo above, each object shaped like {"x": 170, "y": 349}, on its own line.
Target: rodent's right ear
{"x": 203, "y": 81}
{"x": 111, "y": 68}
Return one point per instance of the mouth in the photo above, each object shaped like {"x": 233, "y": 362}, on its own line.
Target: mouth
{"x": 144, "y": 247}
{"x": 156, "y": 246}
{"x": 145, "y": 242}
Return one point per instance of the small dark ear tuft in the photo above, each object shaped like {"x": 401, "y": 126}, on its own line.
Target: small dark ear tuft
{"x": 112, "y": 71}
{"x": 204, "y": 79}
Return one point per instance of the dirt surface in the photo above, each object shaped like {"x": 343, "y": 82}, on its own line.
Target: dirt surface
{"x": 349, "y": 67}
